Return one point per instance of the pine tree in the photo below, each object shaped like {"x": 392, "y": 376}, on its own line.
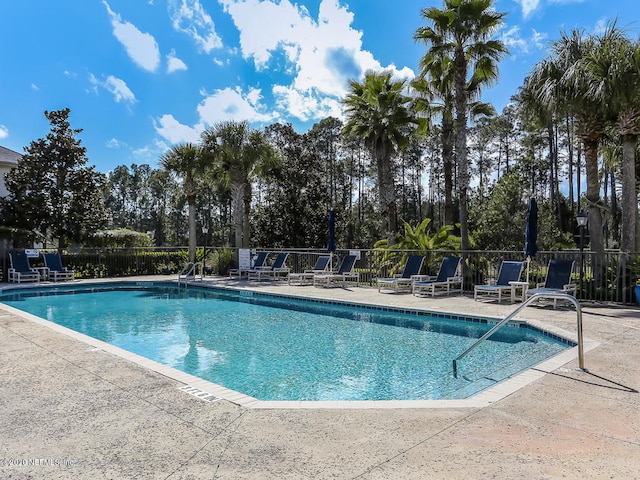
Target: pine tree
{"x": 52, "y": 191}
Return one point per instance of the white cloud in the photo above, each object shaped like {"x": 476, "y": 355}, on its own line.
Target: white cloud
{"x": 221, "y": 105}
{"x": 321, "y": 55}
{"x": 539, "y": 39}
{"x": 306, "y": 105}
{"x": 151, "y": 152}
{"x": 115, "y": 143}
{"x": 601, "y": 26}
{"x": 34, "y": 87}
{"x": 174, "y": 64}
{"x": 4, "y": 131}
{"x": 234, "y": 104}
{"x": 175, "y": 132}
{"x": 512, "y": 39}
{"x": 141, "y": 47}
{"x": 116, "y": 86}
{"x": 519, "y": 44}
{"x": 528, "y": 6}
{"x": 189, "y": 16}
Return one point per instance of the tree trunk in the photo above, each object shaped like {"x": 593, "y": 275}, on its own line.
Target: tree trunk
{"x": 447, "y": 163}
{"x": 461, "y": 143}
{"x": 192, "y": 228}
{"x": 246, "y": 226}
{"x": 629, "y": 196}
{"x": 387, "y": 190}
{"x": 594, "y": 204}
{"x": 237, "y": 199}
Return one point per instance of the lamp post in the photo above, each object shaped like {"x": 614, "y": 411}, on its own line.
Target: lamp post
{"x": 205, "y": 230}
{"x": 582, "y": 219}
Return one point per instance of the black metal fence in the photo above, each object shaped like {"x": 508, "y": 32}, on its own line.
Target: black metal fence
{"x": 607, "y": 278}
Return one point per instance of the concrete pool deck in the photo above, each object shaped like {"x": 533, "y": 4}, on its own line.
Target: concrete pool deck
{"x": 74, "y": 410}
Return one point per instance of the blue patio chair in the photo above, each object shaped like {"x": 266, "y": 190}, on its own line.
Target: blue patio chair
{"x": 404, "y": 280}
{"x": 274, "y": 272}
{"x": 557, "y": 280}
{"x": 259, "y": 262}
{"x": 20, "y": 270}
{"x": 306, "y": 277}
{"x": 344, "y": 274}
{"x": 56, "y": 271}
{"x": 510, "y": 272}
{"x": 446, "y": 279}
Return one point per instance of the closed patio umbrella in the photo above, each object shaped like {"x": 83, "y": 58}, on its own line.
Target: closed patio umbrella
{"x": 531, "y": 233}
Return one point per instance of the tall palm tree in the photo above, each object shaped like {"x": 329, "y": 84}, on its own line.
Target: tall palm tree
{"x": 462, "y": 31}
{"x": 242, "y": 154}
{"x": 434, "y": 87}
{"x": 188, "y": 162}
{"x": 615, "y": 65}
{"x": 377, "y": 111}
{"x": 565, "y": 81}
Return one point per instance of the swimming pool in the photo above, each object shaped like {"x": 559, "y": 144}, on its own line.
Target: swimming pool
{"x": 272, "y": 347}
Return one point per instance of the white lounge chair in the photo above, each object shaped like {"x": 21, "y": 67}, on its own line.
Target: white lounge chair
{"x": 404, "y": 280}
{"x": 510, "y": 272}
{"x": 56, "y": 270}
{"x": 258, "y": 262}
{"x": 20, "y": 270}
{"x": 306, "y": 277}
{"x": 277, "y": 271}
{"x": 445, "y": 282}
{"x": 557, "y": 280}
{"x": 344, "y": 274}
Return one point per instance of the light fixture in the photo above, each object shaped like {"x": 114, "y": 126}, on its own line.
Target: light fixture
{"x": 582, "y": 219}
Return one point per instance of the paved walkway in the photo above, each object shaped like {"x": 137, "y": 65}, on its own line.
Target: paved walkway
{"x": 72, "y": 410}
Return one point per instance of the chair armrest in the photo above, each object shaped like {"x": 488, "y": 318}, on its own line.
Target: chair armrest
{"x": 422, "y": 278}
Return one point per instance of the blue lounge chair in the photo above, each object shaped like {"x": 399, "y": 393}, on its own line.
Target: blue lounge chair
{"x": 20, "y": 270}
{"x": 404, "y": 280}
{"x": 443, "y": 283}
{"x": 558, "y": 280}
{"x": 306, "y": 277}
{"x": 344, "y": 274}
{"x": 276, "y": 271}
{"x": 510, "y": 271}
{"x": 258, "y": 262}
{"x": 56, "y": 271}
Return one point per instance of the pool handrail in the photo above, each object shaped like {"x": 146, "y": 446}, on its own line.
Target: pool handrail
{"x": 533, "y": 298}
{"x": 189, "y": 272}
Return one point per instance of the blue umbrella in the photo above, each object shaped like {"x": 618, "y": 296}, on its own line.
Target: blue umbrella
{"x": 531, "y": 232}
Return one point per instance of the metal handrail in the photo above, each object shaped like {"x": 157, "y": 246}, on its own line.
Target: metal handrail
{"x": 537, "y": 296}
{"x": 190, "y": 268}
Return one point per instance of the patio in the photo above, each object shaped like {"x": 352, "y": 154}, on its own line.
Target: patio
{"x": 71, "y": 410}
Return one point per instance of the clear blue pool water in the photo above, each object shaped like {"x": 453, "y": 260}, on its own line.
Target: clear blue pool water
{"x": 280, "y": 348}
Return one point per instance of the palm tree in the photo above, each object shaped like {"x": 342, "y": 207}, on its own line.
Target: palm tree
{"x": 378, "y": 111}
{"x": 435, "y": 97}
{"x": 188, "y": 162}
{"x": 615, "y": 66}
{"x": 565, "y": 81}
{"x": 462, "y": 31}
{"x": 242, "y": 154}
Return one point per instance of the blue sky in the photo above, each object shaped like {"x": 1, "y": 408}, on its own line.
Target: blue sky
{"x": 140, "y": 76}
